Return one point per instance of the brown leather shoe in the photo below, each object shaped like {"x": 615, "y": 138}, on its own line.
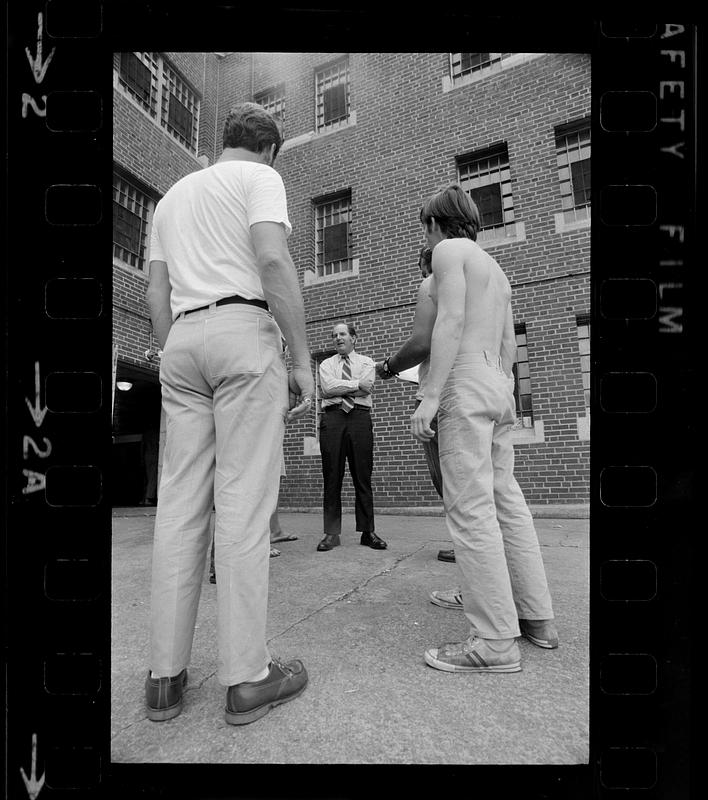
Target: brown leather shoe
{"x": 330, "y": 540}
{"x": 372, "y": 540}
{"x": 246, "y": 702}
{"x": 163, "y": 696}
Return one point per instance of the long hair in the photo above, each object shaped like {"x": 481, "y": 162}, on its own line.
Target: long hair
{"x": 455, "y": 212}
{"x": 250, "y": 126}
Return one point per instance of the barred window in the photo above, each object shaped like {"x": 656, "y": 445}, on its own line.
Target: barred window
{"x": 333, "y": 250}
{"x": 573, "y": 158}
{"x": 145, "y": 77}
{"x": 462, "y": 64}
{"x": 138, "y": 74}
{"x": 522, "y": 380}
{"x": 584, "y": 350}
{"x": 486, "y": 177}
{"x": 332, "y": 97}
{"x": 273, "y": 100}
{"x": 180, "y": 108}
{"x": 132, "y": 214}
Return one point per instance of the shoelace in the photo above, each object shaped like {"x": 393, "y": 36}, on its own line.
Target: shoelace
{"x": 283, "y": 667}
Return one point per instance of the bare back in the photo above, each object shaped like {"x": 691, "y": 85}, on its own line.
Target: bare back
{"x": 487, "y": 297}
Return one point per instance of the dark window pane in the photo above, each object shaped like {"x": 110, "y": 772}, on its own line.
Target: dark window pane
{"x": 126, "y": 228}
{"x": 179, "y": 118}
{"x": 335, "y": 242}
{"x": 335, "y": 103}
{"x": 469, "y": 61}
{"x": 136, "y": 75}
{"x": 580, "y": 175}
{"x": 489, "y": 203}
{"x": 526, "y": 402}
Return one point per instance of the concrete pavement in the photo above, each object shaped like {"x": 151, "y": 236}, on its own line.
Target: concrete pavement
{"x": 360, "y": 620}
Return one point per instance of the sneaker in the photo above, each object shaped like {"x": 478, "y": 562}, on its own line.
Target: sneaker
{"x": 446, "y": 555}
{"x": 474, "y": 655}
{"x": 542, "y": 632}
{"x": 164, "y": 696}
{"x": 452, "y": 598}
{"x": 248, "y": 701}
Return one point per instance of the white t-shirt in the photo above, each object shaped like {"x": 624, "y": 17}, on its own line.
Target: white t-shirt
{"x": 201, "y": 229}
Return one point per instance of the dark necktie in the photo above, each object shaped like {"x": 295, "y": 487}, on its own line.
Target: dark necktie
{"x": 347, "y": 401}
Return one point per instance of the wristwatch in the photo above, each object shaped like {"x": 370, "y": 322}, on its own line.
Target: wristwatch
{"x": 385, "y": 369}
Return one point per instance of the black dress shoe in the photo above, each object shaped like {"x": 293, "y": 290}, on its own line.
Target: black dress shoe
{"x": 163, "y": 696}
{"x": 246, "y": 702}
{"x": 446, "y": 555}
{"x": 373, "y": 541}
{"x": 330, "y": 540}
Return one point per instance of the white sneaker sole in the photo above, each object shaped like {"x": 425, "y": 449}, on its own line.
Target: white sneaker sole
{"x": 432, "y": 661}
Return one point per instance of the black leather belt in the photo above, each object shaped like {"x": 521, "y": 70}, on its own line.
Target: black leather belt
{"x": 338, "y": 407}
{"x": 225, "y": 301}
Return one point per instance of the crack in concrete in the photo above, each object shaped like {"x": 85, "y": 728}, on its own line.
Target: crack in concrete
{"x": 348, "y": 593}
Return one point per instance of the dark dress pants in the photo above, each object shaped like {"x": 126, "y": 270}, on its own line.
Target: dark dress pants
{"x": 347, "y": 437}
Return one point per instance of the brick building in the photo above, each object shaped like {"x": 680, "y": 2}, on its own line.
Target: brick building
{"x": 367, "y": 138}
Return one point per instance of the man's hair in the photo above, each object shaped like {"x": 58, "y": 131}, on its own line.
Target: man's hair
{"x": 250, "y": 126}
{"x": 455, "y": 212}
{"x": 350, "y": 327}
{"x": 425, "y": 257}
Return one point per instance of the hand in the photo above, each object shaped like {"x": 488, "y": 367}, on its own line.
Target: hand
{"x": 420, "y": 420}
{"x": 381, "y": 373}
{"x": 301, "y": 388}
{"x": 366, "y": 384}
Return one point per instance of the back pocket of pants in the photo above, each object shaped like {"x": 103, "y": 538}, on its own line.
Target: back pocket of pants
{"x": 233, "y": 345}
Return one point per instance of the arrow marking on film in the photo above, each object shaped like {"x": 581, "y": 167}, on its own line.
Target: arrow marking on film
{"x": 39, "y": 69}
{"x": 37, "y": 411}
{"x": 34, "y": 786}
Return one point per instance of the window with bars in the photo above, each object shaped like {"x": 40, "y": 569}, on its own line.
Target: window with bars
{"x": 138, "y": 75}
{"x": 584, "y": 350}
{"x": 332, "y": 95}
{"x": 132, "y": 214}
{"x": 463, "y": 64}
{"x": 522, "y": 380}
{"x": 146, "y": 77}
{"x": 486, "y": 177}
{"x": 573, "y": 158}
{"x": 333, "y": 250}
{"x": 273, "y": 100}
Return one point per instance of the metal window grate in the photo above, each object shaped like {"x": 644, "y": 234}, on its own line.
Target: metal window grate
{"x": 463, "y": 64}
{"x": 138, "y": 74}
{"x": 487, "y": 179}
{"x": 573, "y": 158}
{"x": 333, "y": 249}
{"x": 332, "y": 97}
{"x": 522, "y": 380}
{"x": 584, "y": 350}
{"x": 273, "y": 100}
{"x": 132, "y": 210}
{"x": 179, "y": 108}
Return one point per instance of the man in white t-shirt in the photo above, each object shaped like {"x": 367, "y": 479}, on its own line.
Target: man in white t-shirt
{"x": 222, "y": 288}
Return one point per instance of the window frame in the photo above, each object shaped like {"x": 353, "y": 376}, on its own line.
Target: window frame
{"x": 570, "y": 139}
{"x": 167, "y": 82}
{"x": 323, "y": 207}
{"x": 272, "y": 100}
{"x": 522, "y": 414}
{"x": 583, "y": 321}
{"x": 142, "y": 258}
{"x": 340, "y": 69}
{"x": 471, "y": 170}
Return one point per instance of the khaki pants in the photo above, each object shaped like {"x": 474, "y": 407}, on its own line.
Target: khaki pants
{"x": 224, "y": 390}
{"x": 496, "y": 547}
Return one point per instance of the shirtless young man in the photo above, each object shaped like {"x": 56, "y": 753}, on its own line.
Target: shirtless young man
{"x": 470, "y": 386}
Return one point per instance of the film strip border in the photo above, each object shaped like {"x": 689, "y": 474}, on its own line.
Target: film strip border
{"x": 57, "y": 599}
{"x": 643, "y": 340}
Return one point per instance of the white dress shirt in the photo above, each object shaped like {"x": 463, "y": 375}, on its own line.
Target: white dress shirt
{"x": 362, "y": 367}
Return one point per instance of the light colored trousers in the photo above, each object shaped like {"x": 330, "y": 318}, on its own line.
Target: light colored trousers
{"x": 224, "y": 390}
{"x": 496, "y": 547}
